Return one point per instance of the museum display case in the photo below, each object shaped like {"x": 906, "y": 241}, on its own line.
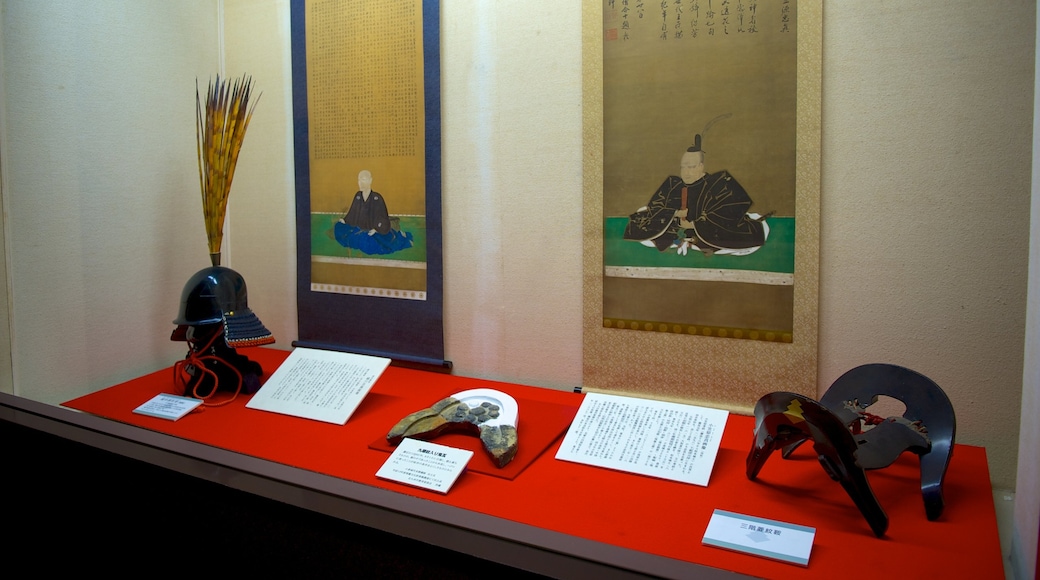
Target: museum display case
{"x": 548, "y": 516}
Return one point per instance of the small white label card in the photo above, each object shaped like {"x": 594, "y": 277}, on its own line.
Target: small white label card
{"x": 424, "y": 464}
{"x": 169, "y": 407}
{"x": 760, "y": 537}
{"x": 657, "y": 438}
{"x": 319, "y": 384}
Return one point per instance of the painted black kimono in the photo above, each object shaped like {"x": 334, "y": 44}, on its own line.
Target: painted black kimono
{"x": 716, "y": 204}
{"x": 363, "y": 217}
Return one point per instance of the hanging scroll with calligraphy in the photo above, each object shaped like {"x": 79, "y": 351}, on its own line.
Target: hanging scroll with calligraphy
{"x": 366, "y": 113}
{"x": 710, "y": 186}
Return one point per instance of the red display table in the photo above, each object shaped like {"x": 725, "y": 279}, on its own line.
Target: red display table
{"x": 559, "y": 509}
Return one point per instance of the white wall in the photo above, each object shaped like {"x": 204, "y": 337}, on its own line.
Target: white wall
{"x": 262, "y": 209}
{"x": 925, "y": 202}
{"x": 101, "y": 197}
{"x": 925, "y": 189}
{"x": 512, "y": 190}
{"x": 1027, "y": 500}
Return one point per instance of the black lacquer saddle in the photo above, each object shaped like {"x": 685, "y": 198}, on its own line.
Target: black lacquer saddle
{"x": 849, "y": 440}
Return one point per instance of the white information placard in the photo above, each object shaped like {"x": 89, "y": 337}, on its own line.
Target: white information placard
{"x": 319, "y": 384}
{"x": 657, "y": 438}
{"x": 169, "y": 407}
{"x": 424, "y": 464}
{"x": 760, "y": 537}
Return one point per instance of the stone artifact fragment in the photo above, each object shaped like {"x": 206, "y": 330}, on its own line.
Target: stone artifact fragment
{"x": 849, "y": 440}
{"x": 491, "y": 415}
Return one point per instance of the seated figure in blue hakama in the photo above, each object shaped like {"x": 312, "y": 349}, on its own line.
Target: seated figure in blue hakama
{"x": 368, "y": 226}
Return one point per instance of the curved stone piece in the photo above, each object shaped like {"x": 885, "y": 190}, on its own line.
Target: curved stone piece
{"x": 500, "y": 443}
{"x": 489, "y": 414}
{"x": 430, "y": 421}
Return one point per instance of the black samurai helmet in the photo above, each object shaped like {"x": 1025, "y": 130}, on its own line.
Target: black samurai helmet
{"x": 215, "y": 319}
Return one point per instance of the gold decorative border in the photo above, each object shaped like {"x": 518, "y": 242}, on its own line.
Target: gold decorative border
{"x": 698, "y": 330}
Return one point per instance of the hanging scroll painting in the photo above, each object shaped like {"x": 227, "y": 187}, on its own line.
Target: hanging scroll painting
{"x": 367, "y": 124}
{"x": 367, "y": 166}
{"x": 699, "y": 167}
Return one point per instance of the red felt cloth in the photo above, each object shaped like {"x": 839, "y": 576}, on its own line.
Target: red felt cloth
{"x": 642, "y": 513}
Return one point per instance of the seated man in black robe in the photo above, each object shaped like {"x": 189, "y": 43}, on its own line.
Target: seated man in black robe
{"x": 706, "y": 212}
{"x": 368, "y": 226}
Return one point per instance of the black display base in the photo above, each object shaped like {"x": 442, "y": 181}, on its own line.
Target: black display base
{"x": 70, "y": 506}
